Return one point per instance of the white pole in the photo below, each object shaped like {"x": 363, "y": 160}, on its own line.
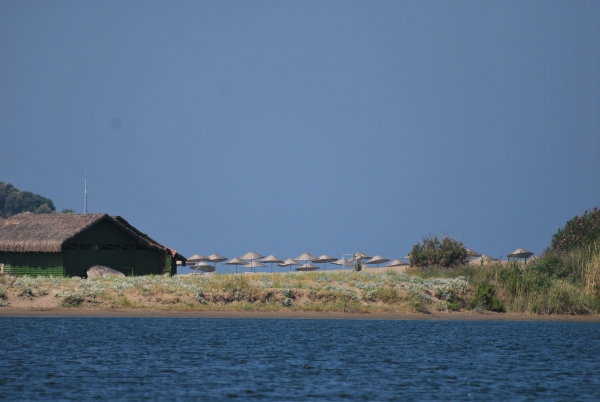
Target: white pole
{"x": 85, "y": 194}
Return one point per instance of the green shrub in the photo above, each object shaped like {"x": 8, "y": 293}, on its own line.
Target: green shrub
{"x": 387, "y": 295}
{"x": 550, "y": 265}
{"x": 454, "y": 302}
{"x": 485, "y": 296}
{"x": 288, "y": 293}
{"x": 433, "y": 252}
{"x": 580, "y": 231}
{"x": 72, "y": 300}
{"x": 26, "y": 291}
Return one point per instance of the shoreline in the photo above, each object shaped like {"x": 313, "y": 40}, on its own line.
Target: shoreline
{"x": 306, "y": 315}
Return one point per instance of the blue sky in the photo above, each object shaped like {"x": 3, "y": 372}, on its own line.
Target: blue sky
{"x": 327, "y": 127}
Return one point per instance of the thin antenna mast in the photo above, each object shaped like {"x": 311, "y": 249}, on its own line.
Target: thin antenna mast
{"x": 85, "y": 194}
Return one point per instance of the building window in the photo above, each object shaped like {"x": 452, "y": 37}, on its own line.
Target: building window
{"x": 110, "y": 247}
{"x": 89, "y": 247}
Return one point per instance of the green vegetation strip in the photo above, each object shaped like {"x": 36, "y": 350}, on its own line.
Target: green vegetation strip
{"x": 567, "y": 283}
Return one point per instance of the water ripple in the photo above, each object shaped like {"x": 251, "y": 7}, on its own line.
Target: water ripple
{"x": 253, "y": 359}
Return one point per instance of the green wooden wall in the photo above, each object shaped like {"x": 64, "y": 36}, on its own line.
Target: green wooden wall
{"x": 136, "y": 262}
{"x": 106, "y": 243}
{"x": 33, "y": 264}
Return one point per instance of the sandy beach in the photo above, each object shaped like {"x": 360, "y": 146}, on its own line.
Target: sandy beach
{"x": 454, "y": 316}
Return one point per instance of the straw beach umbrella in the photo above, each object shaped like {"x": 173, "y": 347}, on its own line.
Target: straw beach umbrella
{"x": 205, "y": 267}
{"x": 306, "y": 257}
{"x": 251, "y": 256}
{"x": 324, "y": 259}
{"x": 197, "y": 258}
{"x": 488, "y": 258}
{"x": 359, "y": 256}
{"x": 377, "y": 260}
{"x": 343, "y": 262}
{"x": 520, "y": 253}
{"x": 271, "y": 259}
{"x": 289, "y": 263}
{"x": 307, "y": 267}
{"x": 396, "y": 263}
{"x": 471, "y": 253}
{"x": 236, "y": 262}
{"x": 216, "y": 258}
{"x": 254, "y": 264}
{"x": 483, "y": 259}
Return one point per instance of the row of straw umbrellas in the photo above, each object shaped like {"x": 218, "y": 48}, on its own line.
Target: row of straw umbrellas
{"x": 518, "y": 253}
{"x": 304, "y": 261}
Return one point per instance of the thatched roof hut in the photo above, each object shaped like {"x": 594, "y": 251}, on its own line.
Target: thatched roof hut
{"x": 31, "y": 240}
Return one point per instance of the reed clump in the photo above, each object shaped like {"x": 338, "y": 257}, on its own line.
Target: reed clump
{"x": 556, "y": 283}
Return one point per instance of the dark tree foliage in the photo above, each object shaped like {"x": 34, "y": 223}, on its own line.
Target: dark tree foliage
{"x": 14, "y": 201}
{"x": 580, "y": 231}
{"x": 433, "y": 252}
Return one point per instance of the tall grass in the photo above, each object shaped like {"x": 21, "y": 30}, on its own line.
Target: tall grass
{"x": 567, "y": 283}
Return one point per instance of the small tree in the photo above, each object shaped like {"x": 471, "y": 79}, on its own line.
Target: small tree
{"x": 42, "y": 209}
{"x": 578, "y": 232}
{"x": 433, "y": 252}
{"x": 358, "y": 264}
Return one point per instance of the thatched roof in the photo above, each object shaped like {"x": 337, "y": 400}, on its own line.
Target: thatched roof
{"x": 272, "y": 259}
{"x": 343, "y": 262}
{"x": 254, "y": 264}
{"x": 216, "y": 258}
{"x": 377, "y": 260}
{"x": 324, "y": 259}
{"x": 307, "y": 267}
{"x": 396, "y": 263}
{"x": 306, "y": 257}
{"x": 288, "y": 263}
{"x": 251, "y": 256}
{"x": 360, "y": 256}
{"x": 484, "y": 259}
{"x": 204, "y": 266}
{"x": 27, "y": 232}
{"x": 43, "y": 232}
{"x": 236, "y": 261}
{"x": 471, "y": 253}
{"x": 197, "y": 258}
{"x": 520, "y": 253}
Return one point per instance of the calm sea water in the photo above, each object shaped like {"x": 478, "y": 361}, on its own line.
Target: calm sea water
{"x": 262, "y": 359}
